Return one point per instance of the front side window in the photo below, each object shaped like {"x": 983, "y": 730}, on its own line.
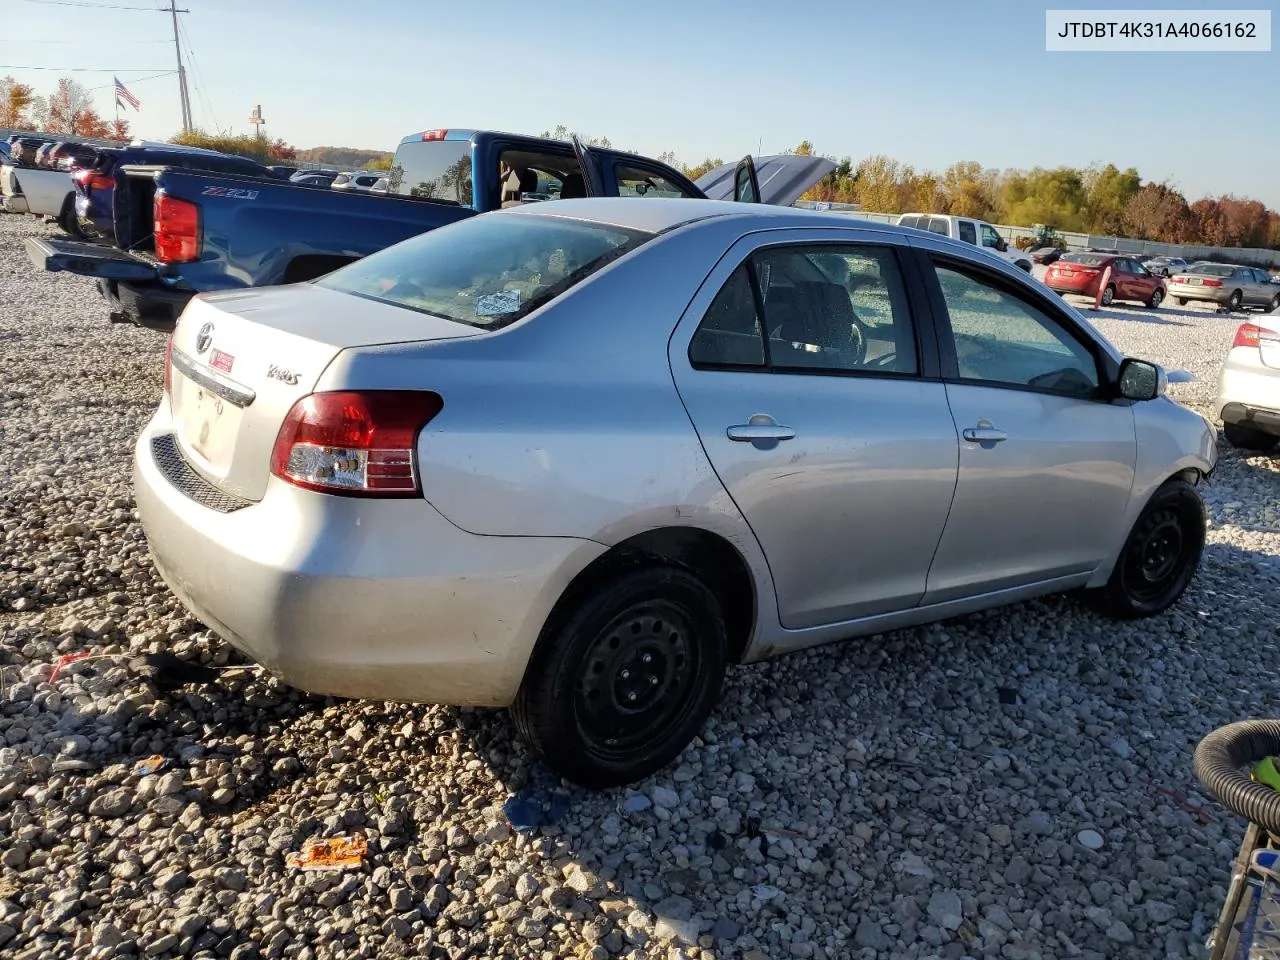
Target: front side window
{"x": 968, "y": 232}
{"x": 488, "y": 271}
{"x": 634, "y": 182}
{"x": 1002, "y": 339}
{"x": 989, "y": 236}
{"x": 835, "y": 308}
{"x": 433, "y": 170}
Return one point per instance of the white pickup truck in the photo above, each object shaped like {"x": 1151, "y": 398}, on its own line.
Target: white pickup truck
{"x": 977, "y": 232}
{"x": 44, "y": 193}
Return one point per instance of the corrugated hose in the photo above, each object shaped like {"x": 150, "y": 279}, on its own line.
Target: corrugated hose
{"x": 1218, "y": 761}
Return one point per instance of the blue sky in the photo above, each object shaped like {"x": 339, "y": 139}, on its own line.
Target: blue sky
{"x": 927, "y": 83}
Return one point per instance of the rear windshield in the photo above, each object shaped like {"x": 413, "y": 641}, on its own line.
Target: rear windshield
{"x": 1211, "y": 270}
{"x": 1087, "y": 259}
{"x": 488, "y": 271}
{"x": 433, "y": 170}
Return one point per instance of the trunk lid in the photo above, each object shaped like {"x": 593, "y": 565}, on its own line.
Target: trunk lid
{"x": 783, "y": 179}
{"x": 241, "y": 360}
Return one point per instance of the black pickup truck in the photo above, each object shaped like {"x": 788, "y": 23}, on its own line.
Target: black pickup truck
{"x": 181, "y": 232}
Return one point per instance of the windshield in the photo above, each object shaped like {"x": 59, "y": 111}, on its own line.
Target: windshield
{"x": 488, "y": 271}
{"x": 1211, "y": 270}
{"x": 1087, "y": 259}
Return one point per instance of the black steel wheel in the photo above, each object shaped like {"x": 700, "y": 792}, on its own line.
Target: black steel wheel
{"x": 620, "y": 684}
{"x": 1159, "y": 557}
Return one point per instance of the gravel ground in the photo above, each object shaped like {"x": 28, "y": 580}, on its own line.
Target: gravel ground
{"x": 1016, "y": 784}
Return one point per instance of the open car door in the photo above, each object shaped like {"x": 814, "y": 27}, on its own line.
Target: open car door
{"x": 779, "y": 180}
{"x": 592, "y": 168}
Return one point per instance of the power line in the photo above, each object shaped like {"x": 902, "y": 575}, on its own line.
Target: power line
{"x": 100, "y": 6}
{"x": 12, "y": 40}
{"x": 15, "y": 66}
{"x": 198, "y": 76}
{"x": 154, "y": 76}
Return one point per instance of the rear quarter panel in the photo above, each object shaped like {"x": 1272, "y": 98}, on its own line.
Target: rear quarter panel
{"x": 568, "y": 424}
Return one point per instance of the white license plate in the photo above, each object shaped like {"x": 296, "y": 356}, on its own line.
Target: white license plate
{"x": 209, "y": 424}
{"x": 1196, "y": 282}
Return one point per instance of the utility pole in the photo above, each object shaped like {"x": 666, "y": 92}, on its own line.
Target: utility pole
{"x": 182, "y": 72}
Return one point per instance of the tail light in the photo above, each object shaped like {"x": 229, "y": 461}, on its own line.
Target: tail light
{"x": 177, "y": 229}
{"x": 356, "y": 443}
{"x": 1210, "y": 282}
{"x": 93, "y": 180}
{"x": 1250, "y": 335}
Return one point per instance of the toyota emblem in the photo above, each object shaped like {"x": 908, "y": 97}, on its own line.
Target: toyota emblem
{"x": 204, "y": 338}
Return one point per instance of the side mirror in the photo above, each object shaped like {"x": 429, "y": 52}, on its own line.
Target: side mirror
{"x": 1002, "y": 246}
{"x": 1141, "y": 380}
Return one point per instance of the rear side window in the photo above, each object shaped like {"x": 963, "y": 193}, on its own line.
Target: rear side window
{"x": 968, "y": 232}
{"x": 909, "y": 222}
{"x": 729, "y": 334}
{"x": 488, "y": 271}
{"x": 434, "y": 170}
{"x": 940, "y": 226}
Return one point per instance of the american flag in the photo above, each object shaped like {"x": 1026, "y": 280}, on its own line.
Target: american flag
{"x": 122, "y": 93}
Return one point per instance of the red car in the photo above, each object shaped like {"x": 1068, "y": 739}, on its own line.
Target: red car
{"x": 1080, "y": 274}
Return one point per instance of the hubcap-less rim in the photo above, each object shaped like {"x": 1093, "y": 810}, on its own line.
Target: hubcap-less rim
{"x": 1234, "y": 302}
{"x": 1107, "y": 296}
{"x": 635, "y": 679}
{"x": 1156, "y": 556}
{"x": 1156, "y": 298}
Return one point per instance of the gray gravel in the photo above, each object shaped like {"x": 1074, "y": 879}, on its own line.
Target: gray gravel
{"x": 876, "y": 799}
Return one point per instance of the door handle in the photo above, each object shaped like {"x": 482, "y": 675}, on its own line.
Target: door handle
{"x": 984, "y": 433}
{"x": 760, "y": 428}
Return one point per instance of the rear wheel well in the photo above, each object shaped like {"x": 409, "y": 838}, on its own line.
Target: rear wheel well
{"x": 708, "y": 556}
{"x": 310, "y": 266}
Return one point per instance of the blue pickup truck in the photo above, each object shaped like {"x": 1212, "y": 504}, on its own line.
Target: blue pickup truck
{"x": 179, "y": 232}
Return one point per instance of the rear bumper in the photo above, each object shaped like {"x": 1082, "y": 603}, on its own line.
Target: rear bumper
{"x": 146, "y": 304}
{"x": 1203, "y": 294}
{"x": 1249, "y": 392}
{"x": 377, "y": 599}
{"x": 1081, "y": 288}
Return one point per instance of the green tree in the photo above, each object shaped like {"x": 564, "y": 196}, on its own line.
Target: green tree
{"x": 1107, "y": 192}
{"x": 966, "y": 191}
{"x": 1054, "y": 197}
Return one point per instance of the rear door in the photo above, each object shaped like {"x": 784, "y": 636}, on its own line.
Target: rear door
{"x": 1262, "y": 290}
{"x": 1122, "y": 278}
{"x": 1046, "y": 460}
{"x": 807, "y": 377}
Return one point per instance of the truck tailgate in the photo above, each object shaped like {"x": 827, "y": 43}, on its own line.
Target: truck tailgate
{"x": 88, "y": 259}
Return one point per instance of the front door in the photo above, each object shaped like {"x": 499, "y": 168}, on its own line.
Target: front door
{"x": 1046, "y": 461}
{"x": 799, "y": 366}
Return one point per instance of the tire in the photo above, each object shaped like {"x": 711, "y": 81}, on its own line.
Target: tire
{"x": 1234, "y": 301}
{"x": 1157, "y": 296}
{"x": 1275, "y": 304}
{"x": 1108, "y": 295}
{"x": 1247, "y": 438}
{"x": 68, "y": 222}
{"x": 651, "y": 627}
{"x": 1180, "y": 301}
{"x": 1024, "y": 265}
{"x": 1159, "y": 558}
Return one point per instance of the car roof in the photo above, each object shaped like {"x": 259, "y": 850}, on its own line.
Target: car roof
{"x": 666, "y": 213}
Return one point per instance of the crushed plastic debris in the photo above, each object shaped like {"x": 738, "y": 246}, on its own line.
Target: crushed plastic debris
{"x": 329, "y": 853}
{"x": 65, "y": 660}
{"x": 152, "y": 764}
{"x": 531, "y": 809}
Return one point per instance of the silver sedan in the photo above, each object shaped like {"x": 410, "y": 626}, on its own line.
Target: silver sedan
{"x": 576, "y": 458}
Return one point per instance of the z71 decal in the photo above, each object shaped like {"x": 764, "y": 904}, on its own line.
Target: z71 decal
{"x": 234, "y": 192}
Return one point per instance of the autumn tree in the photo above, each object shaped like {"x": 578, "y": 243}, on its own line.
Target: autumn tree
{"x": 698, "y": 169}
{"x": 70, "y": 110}
{"x": 119, "y": 130}
{"x": 1054, "y": 197}
{"x": 1157, "y": 212}
{"x": 561, "y": 132}
{"x": 16, "y": 101}
{"x": 878, "y": 184}
{"x": 967, "y": 192}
